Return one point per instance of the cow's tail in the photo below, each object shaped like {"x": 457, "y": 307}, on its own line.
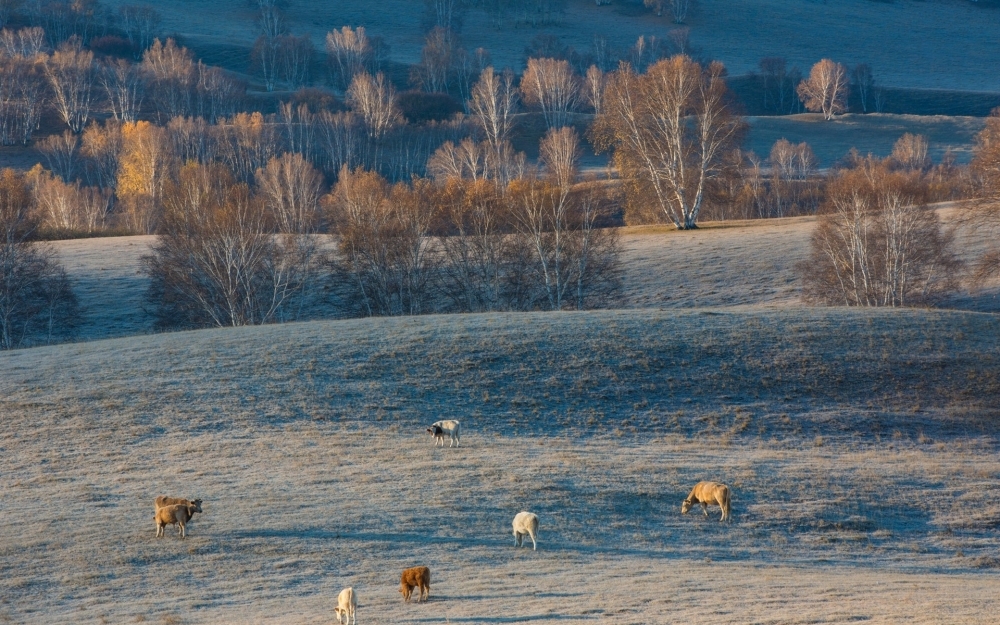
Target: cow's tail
{"x": 726, "y": 506}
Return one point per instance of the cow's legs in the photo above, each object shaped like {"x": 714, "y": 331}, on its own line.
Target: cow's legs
{"x": 704, "y": 508}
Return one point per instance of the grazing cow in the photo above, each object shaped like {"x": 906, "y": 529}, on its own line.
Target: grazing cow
{"x": 450, "y": 427}
{"x": 525, "y": 524}
{"x": 177, "y": 514}
{"x": 708, "y": 494}
{"x": 162, "y": 501}
{"x": 416, "y": 577}
{"x": 347, "y": 605}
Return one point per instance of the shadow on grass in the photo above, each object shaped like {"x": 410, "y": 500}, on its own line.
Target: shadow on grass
{"x": 500, "y": 619}
{"x": 411, "y": 538}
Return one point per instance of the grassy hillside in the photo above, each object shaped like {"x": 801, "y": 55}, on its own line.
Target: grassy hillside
{"x": 750, "y": 263}
{"x": 934, "y": 46}
{"x": 861, "y": 447}
{"x": 626, "y": 371}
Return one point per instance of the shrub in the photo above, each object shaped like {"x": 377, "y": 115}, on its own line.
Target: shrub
{"x": 110, "y": 45}
{"x": 419, "y": 107}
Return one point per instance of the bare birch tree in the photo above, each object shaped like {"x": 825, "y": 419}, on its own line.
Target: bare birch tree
{"x": 437, "y": 61}
{"x": 70, "y": 72}
{"x": 101, "y": 146}
{"x": 493, "y": 102}
{"x": 291, "y": 189}
{"x": 217, "y": 94}
{"x": 340, "y": 136}
{"x": 61, "y": 154}
{"x": 594, "y": 84}
{"x": 217, "y": 261}
{"x": 669, "y": 130}
{"x": 383, "y": 247}
{"x": 21, "y": 99}
{"x": 171, "y": 77}
{"x": 791, "y": 167}
{"x": 570, "y": 255}
{"x": 826, "y": 89}
{"x": 485, "y": 265}
{"x": 67, "y": 207}
{"x": 864, "y": 83}
{"x": 24, "y": 42}
{"x": 553, "y": 87}
{"x": 465, "y": 161}
{"x": 125, "y": 88}
{"x": 36, "y": 301}
{"x": 879, "y": 245}
{"x": 246, "y": 142}
{"x": 910, "y": 152}
{"x": 349, "y": 52}
{"x": 265, "y": 59}
{"x": 375, "y": 100}
{"x": 542, "y": 213}
{"x": 193, "y": 140}
{"x": 140, "y": 23}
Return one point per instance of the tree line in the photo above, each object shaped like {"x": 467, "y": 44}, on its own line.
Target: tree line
{"x": 437, "y": 214}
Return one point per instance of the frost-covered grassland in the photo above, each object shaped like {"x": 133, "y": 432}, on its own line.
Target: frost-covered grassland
{"x": 861, "y": 449}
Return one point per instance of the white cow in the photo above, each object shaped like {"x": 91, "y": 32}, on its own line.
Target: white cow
{"x": 450, "y": 427}
{"x": 525, "y": 524}
{"x": 347, "y": 606}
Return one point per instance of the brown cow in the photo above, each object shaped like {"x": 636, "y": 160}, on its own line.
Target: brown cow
{"x": 708, "y": 494}
{"x": 177, "y": 514}
{"x": 416, "y": 577}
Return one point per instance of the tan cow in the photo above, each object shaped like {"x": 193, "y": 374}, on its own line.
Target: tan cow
{"x": 163, "y": 501}
{"x": 416, "y": 577}
{"x": 177, "y": 514}
{"x": 525, "y": 524}
{"x": 708, "y": 494}
{"x": 347, "y": 605}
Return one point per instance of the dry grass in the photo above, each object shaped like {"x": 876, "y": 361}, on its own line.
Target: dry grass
{"x": 306, "y": 442}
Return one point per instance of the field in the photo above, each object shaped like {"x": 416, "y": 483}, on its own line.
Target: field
{"x": 932, "y": 45}
{"x": 861, "y": 447}
{"x": 724, "y": 264}
{"x": 873, "y": 134}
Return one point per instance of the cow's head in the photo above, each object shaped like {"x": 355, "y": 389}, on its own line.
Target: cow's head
{"x": 197, "y": 505}
{"x": 686, "y": 506}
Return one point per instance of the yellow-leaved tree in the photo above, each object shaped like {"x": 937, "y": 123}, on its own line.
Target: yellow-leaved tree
{"x": 146, "y": 162}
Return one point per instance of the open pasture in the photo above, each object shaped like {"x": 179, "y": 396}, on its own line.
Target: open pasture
{"x": 874, "y": 134}
{"x": 860, "y": 446}
{"x": 909, "y": 44}
{"x": 740, "y": 263}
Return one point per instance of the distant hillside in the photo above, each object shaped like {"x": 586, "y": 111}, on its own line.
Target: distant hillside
{"x": 581, "y": 374}
{"x": 912, "y": 45}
